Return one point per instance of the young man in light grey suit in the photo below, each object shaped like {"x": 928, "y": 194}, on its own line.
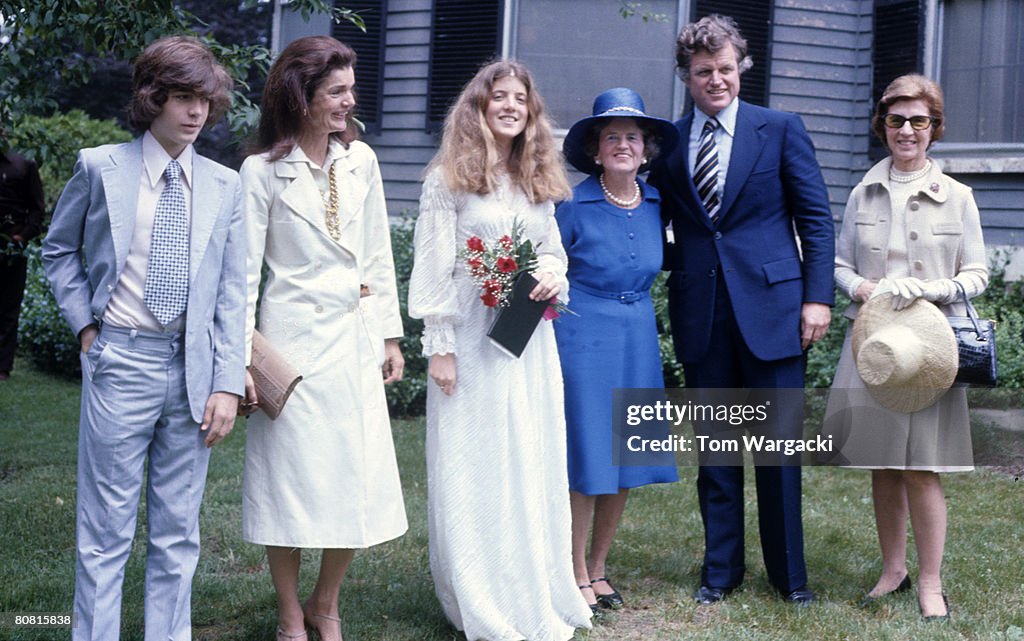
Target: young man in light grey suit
{"x": 158, "y": 304}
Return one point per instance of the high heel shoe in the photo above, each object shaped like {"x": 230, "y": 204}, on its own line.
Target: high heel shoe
{"x": 612, "y": 600}
{"x": 868, "y": 600}
{"x": 938, "y": 618}
{"x": 284, "y": 636}
{"x": 594, "y": 608}
{"x": 311, "y": 621}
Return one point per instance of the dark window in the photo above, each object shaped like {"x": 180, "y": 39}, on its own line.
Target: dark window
{"x": 899, "y": 49}
{"x": 755, "y": 22}
{"x": 369, "y": 48}
{"x": 464, "y": 36}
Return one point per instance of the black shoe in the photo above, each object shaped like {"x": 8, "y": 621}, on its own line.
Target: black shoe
{"x": 939, "y": 618}
{"x": 594, "y": 608}
{"x": 800, "y": 597}
{"x": 707, "y": 595}
{"x": 869, "y": 601}
{"x": 611, "y": 601}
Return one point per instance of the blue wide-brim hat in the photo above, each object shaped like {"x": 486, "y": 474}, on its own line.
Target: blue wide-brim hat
{"x": 619, "y": 102}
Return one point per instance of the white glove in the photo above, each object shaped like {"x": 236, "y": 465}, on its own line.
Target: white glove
{"x": 883, "y": 286}
{"x": 905, "y": 291}
{"x": 942, "y": 291}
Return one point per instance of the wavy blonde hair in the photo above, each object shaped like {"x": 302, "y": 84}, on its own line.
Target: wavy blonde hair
{"x": 469, "y": 154}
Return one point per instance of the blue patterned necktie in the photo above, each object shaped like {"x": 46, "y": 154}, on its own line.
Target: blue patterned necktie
{"x": 705, "y": 170}
{"x": 166, "y": 292}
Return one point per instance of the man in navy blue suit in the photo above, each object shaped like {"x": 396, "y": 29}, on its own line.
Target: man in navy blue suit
{"x": 750, "y": 289}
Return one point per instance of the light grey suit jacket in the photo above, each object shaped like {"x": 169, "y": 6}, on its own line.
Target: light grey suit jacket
{"x": 95, "y": 219}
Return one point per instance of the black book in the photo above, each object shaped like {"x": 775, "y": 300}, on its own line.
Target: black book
{"x": 514, "y": 324}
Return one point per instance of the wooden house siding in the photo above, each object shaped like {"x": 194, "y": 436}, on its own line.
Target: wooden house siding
{"x": 404, "y": 147}
{"x": 821, "y": 69}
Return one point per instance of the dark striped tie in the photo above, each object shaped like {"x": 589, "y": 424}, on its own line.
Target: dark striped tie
{"x": 705, "y": 170}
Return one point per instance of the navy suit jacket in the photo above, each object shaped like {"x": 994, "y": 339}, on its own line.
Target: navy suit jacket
{"x": 774, "y": 193}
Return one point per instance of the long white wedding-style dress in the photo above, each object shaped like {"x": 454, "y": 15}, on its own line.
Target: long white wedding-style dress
{"x": 499, "y": 519}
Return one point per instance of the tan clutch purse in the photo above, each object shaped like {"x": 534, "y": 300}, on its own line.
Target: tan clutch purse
{"x": 274, "y": 377}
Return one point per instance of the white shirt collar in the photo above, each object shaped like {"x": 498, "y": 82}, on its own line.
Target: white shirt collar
{"x": 726, "y": 118}
{"x": 155, "y": 159}
{"x": 335, "y": 150}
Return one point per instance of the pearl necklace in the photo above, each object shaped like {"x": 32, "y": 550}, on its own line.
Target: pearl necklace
{"x": 909, "y": 178}
{"x": 626, "y": 204}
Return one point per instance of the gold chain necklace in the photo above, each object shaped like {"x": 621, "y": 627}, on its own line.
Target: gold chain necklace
{"x": 331, "y": 205}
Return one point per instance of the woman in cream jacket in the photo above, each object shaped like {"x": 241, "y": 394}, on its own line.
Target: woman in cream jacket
{"x": 323, "y": 474}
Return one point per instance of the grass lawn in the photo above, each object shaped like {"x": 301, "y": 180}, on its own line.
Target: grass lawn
{"x": 388, "y": 595}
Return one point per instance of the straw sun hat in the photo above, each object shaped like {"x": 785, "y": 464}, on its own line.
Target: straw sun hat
{"x": 907, "y": 358}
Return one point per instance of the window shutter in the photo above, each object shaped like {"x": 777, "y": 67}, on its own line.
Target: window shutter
{"x": 369, "y": 48}
{"x": 899, "y": 49}
{"x": 755, "y": 22}
{"x": 464, "y": 35}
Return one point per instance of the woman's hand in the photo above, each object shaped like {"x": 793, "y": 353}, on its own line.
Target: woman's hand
{"x": 547, "y": 286}
{"x": 250, "y": 403}
{"x": 394, "y": 362}
{"x": 442, "y": 372}
{"x": 864, "y": 290}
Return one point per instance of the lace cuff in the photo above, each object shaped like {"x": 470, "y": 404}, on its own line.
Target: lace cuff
{"x": 438, "y": 339}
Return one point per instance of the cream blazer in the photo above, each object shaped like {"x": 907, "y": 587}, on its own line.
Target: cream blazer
{"x": 310, "y": 273}
{"x": 943, "y": 235}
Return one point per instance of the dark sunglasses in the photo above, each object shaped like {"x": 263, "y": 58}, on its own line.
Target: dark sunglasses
{"x": 895, "y": 121}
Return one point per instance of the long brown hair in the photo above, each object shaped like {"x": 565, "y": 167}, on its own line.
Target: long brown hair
{"x": 293, "y": 80}
{"x": 469, "y": 153}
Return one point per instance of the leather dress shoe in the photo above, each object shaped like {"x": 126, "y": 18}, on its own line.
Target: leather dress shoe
{"x": 800, "y": 597}
{"x": 707, "y": 595}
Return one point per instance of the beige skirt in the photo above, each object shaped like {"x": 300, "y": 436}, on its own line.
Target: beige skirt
{"x": 867, "y": 435}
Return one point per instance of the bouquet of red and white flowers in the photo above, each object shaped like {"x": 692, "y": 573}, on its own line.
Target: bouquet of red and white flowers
{"x": 495, "y": 268}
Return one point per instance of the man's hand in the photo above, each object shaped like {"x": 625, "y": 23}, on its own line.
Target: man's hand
{"x": 219, "y": 417}
{"x": 814, "y": 321}
{"x": 87, "y": 336}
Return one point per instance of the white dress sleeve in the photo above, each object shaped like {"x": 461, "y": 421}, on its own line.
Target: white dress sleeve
{"x": 551, "y": 255}
{"x": 432, "y": 293}
{"x": 257, "y": 199}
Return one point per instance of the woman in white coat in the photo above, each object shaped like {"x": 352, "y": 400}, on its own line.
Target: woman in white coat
{"x": 323, "y": 474}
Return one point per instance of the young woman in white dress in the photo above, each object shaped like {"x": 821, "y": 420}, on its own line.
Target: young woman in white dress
{"x": 324, "y": 473}
{"x": 499, "y": 519}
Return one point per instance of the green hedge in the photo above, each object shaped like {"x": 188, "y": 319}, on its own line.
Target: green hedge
{"x": 53, "y": 142}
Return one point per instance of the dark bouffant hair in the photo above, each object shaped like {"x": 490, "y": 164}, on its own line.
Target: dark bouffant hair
{"x": 293, "y": 80}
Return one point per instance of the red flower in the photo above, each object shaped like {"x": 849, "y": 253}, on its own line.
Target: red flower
{"x": 489, "y": 299}
{"x": 551, "y": 311}
{"x": 506, "y": 242}
{"x": 492, "y": 286}
{"x": 507, "y": 264}
{"x": 475, "y": 244}
{"x": 476, "y": 266}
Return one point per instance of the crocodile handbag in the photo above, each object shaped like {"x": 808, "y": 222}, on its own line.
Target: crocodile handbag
{"x": 976, "y": 342}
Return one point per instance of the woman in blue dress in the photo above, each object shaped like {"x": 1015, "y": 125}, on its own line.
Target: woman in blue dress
{"x": 612, "y": 233}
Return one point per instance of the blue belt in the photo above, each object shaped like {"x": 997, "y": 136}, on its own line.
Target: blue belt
{"x": 626, "y": 298}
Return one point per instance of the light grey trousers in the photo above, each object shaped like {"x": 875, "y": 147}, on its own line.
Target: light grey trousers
{"x": 135, "y": 424}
